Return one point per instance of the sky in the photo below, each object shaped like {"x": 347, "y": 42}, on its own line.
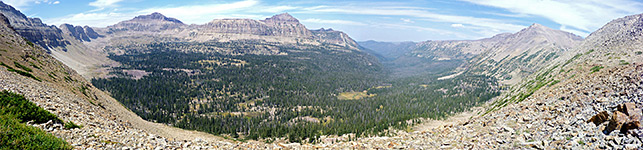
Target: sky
{"x": 380, "y": 20}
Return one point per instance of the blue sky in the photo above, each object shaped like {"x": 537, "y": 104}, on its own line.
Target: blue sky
{"x": 412, "y": 20}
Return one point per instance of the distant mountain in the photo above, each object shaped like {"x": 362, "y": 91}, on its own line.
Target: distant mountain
{"x": 456, "y": 49}
{"x": 521, "y": 54}
{"x": 153, "y": 22}
{"x": 388, "y": 50}
{"x": 282, "y": 28}
{"x": 33, "y": 29}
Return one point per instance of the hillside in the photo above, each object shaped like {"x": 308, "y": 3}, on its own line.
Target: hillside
{"x": 522, "y": 53}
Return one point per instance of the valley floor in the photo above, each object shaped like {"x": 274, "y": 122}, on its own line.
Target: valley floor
{"x": 552, "y": 118}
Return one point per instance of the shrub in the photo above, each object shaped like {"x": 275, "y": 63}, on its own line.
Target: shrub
{"x": 71, "y": 125}
{"x": 623, "y": 62}
{"x": 16, "y": 135}
{"x": 596, "y": 68}
{"x": 15, "y": 109}
{"x": 23, "y": 73}
{"x": 23, "y": 109}
{"x": 22, "y": 67}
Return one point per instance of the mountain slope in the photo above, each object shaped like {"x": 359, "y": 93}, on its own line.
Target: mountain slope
{"x": 32, "y": 28}
{"x": 572, "y": 104}
{"x": 522, "y": 53}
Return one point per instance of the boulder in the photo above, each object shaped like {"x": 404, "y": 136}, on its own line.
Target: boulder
{"x": 628, "y": 108}
{"x": 617, "y": 121}
{"x": 600, "y": 118}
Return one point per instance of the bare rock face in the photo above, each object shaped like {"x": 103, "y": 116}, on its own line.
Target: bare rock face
{"x": 91, "y": 33}
{"x": 286, "y": 25}
{"x": 80, "y": 33}
{"x": 152, "y": 22}
{"x": 33, "y": 29}
{"x": 334, "y": 37}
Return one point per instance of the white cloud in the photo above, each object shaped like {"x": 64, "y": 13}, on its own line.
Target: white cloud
{"x": 585, "y": 15}
{"x": 424, "y": 29}
{"x": 20, "y": 4}
{"x": 201, "y": 13}
{"x": 457, "y": 25}
{"x": 188, "y": 14}
{"x": 487, "y": 23}
{"x": 407, "y": 20}
{"x": 104, "y": 3}
{"x": 577, "y": 32}
{"x": 93, "y": 19}
{"x": 275, "y": 9}
{"x": 341, "y": 22}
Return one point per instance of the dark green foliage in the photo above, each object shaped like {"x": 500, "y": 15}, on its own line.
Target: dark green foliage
{"x": 23, "y": 73}
{"x": 71, "y": 125}
{"x": 34, "y": 65}
{"x": 16, "y": 135}
{"x": 596, "y": 68}
{"x": 29, "y": 42}
{"x": 15, "y": 109}
{"x": 23, "y": 109}
{"x": 530, "y": 87}
{"x": 623, "y": 62}
{"x": 638, "y": 52}
{"x": 25, "y": 68}
{"x": 572, "y": 59}
{"x": 285, "y": 83}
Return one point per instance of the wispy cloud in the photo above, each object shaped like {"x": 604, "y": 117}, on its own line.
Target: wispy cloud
{"x": 197, "y": 13}
{"x": 407, "y": 20}
{"x": 104, "y": 3}
{"x": 424, "y": 29}
{"x": 94, "y": 19}
{"x": 23, "y": 4}
{"x": 487, "y": 23}
{"x": 584, "y": 15}
{"x": 342, "y": 22}
{"x": 187, "y": 13}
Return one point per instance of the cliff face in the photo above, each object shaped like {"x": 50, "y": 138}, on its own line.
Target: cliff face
{"x": 152, "y": 22}
{"x": 85, "y": 33}
{"x": 281, "y": 28}
{"x": 33, "y": 29}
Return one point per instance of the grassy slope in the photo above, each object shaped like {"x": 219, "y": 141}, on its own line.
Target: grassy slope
{"x": 14, "y": 134}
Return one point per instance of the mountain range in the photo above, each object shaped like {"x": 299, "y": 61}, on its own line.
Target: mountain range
{"x": 558, "y": 90}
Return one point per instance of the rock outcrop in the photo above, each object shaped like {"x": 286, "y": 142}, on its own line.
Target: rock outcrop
{"x": 33, "y": 29}
{"x": 85, "y": 33}
{"x": 154, "y": 22}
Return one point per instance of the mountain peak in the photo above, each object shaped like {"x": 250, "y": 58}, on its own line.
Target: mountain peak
{"x": 157, "y": 16}
{"x": 536, "y": 25}
{"x": 283, "y": 17}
